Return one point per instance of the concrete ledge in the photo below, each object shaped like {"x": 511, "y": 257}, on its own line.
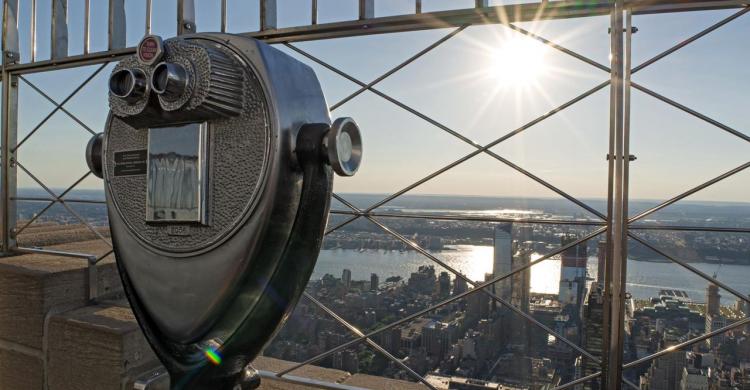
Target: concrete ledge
{"x": 97, "y": 347}
{"x": 20, "y": 371}
{"x": 32, "y": 286}
{"x": 379, "y": 382}
{"x": 314, "y": 372}
{"x": 327, "y": 375}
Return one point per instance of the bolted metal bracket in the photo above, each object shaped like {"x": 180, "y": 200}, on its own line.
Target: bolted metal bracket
{"x": 633, "y": 30}
{"x": 631, "y": 157}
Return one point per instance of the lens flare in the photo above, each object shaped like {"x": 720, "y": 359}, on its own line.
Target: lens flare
{"x": 213, "y": 356}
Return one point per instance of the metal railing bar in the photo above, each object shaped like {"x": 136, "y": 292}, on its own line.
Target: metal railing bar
{"x": 86, "y": 26}
{"x": 117, "y": 28}
{"x": 458, "y": 274}
{"x": 307, "y": 382}
{"x": 314, "y": 12}
{"x": 268, "y": 15}
{"x": 398, "y": 67}
{"x": 63, "y": 109}
{"x": 59, "y": 29}
{"x": 418, "y": 6}
{"x": 492, "y": 144}
{"x": 366, "y": 9}
{"x": 691, "y": 268}
{"x": 472, "y": 154}
{"x": 690, "y": 192}
{"x": 301, "y": 33}
{"x": 505, "y": 303}
{"x": 42, "y": 199}
{"x": 691, "y": 39}
{"x": 32, "y": 25}
{"x": 342, "y": 224}
{"x": 547, "y": 185}
{"x": 475, "y": 153}
{"x": 52, "y": 203}
{"x": 631, "y": 384}
{"x": 444, "y": 302}
{"x": 102, "y": 256}
{"x": 62, "y": 202}
{"x": 690, "y": 228}
{"x": 543, "y": 10}
{"x": 691, "y": 111}
{"x": 148, "y": 17}
{"x": 58, "y": 107}
{"x": 440, "y": 125}
{"x": 448, "y": 217}
{"x": 186, "y": 17}
{"x": 578, "y": 381}
{"x": 698, "y": 5}
{"x": 369, "y": 341}
{"x": 687, "y": 343}
{"x": 223, "y": 16}
{"x": 557, "y": 47}
{"x": 70, "y": 61}
{"x": 450, "y": 131}
{"x": 52, "y": 252}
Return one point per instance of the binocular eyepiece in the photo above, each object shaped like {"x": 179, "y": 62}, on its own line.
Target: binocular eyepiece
{"x": 169, "y": 80}
{"x": 128, "y": 84}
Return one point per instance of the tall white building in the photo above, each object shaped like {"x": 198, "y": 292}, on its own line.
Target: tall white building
{"x": 503, "y": 260}
{"x": 573, "y": 272}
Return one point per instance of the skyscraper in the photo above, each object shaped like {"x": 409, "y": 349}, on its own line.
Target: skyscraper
{"x": 503, "y": 260}
{"x": 521, "y": 281}
{"x": 601, "y": 260}
{"x": 573, "y": 272}
{"x": 459, "y": 286}
{"x": 346, "y": 278}
{"x": 444, "y": 284}
{"x": 374, "y": 282}
{"x": 713, "y": 299}
{"x": 714, "y": 319}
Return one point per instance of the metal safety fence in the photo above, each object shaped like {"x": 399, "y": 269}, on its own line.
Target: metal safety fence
{"x": 616, "y": 225}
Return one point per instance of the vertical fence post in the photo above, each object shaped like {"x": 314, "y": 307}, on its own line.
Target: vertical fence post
{"x": 185, "y": 17}
{"x": 268, "y": 15}
{"x": 86, "y": 26}
{"x": 116, "y": 24}
{"x": 314, "y": 12}
{"x": 11, "y": 54}
{"x": 617, "y": 246}
{"x": 32, "y": 31}
{"x": 366, "y": 9}
{"x": 59, "y": 35}
{"x": 223, "y": 16}
{"x": 148, "y": 18}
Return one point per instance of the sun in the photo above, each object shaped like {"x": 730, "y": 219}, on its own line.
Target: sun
{"x": 518, "y": 62}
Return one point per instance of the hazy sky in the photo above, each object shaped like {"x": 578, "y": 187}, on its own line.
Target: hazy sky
{"x": 459, "y": 84}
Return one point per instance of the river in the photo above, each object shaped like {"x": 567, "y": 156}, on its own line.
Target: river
{"x": 645, "y": 278}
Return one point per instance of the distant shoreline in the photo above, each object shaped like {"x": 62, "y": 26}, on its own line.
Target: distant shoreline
{"x": 633, "y": 258}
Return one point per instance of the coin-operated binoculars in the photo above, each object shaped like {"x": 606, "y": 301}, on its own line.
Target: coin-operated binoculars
{"x": 217, "y": 160}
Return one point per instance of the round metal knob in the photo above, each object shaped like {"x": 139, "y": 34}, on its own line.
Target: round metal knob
{"x": 343, "y": 146}
{"x": 94, "y": 154}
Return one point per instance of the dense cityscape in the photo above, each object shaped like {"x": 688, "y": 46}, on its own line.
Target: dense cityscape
{"x": 479, "y": 342}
